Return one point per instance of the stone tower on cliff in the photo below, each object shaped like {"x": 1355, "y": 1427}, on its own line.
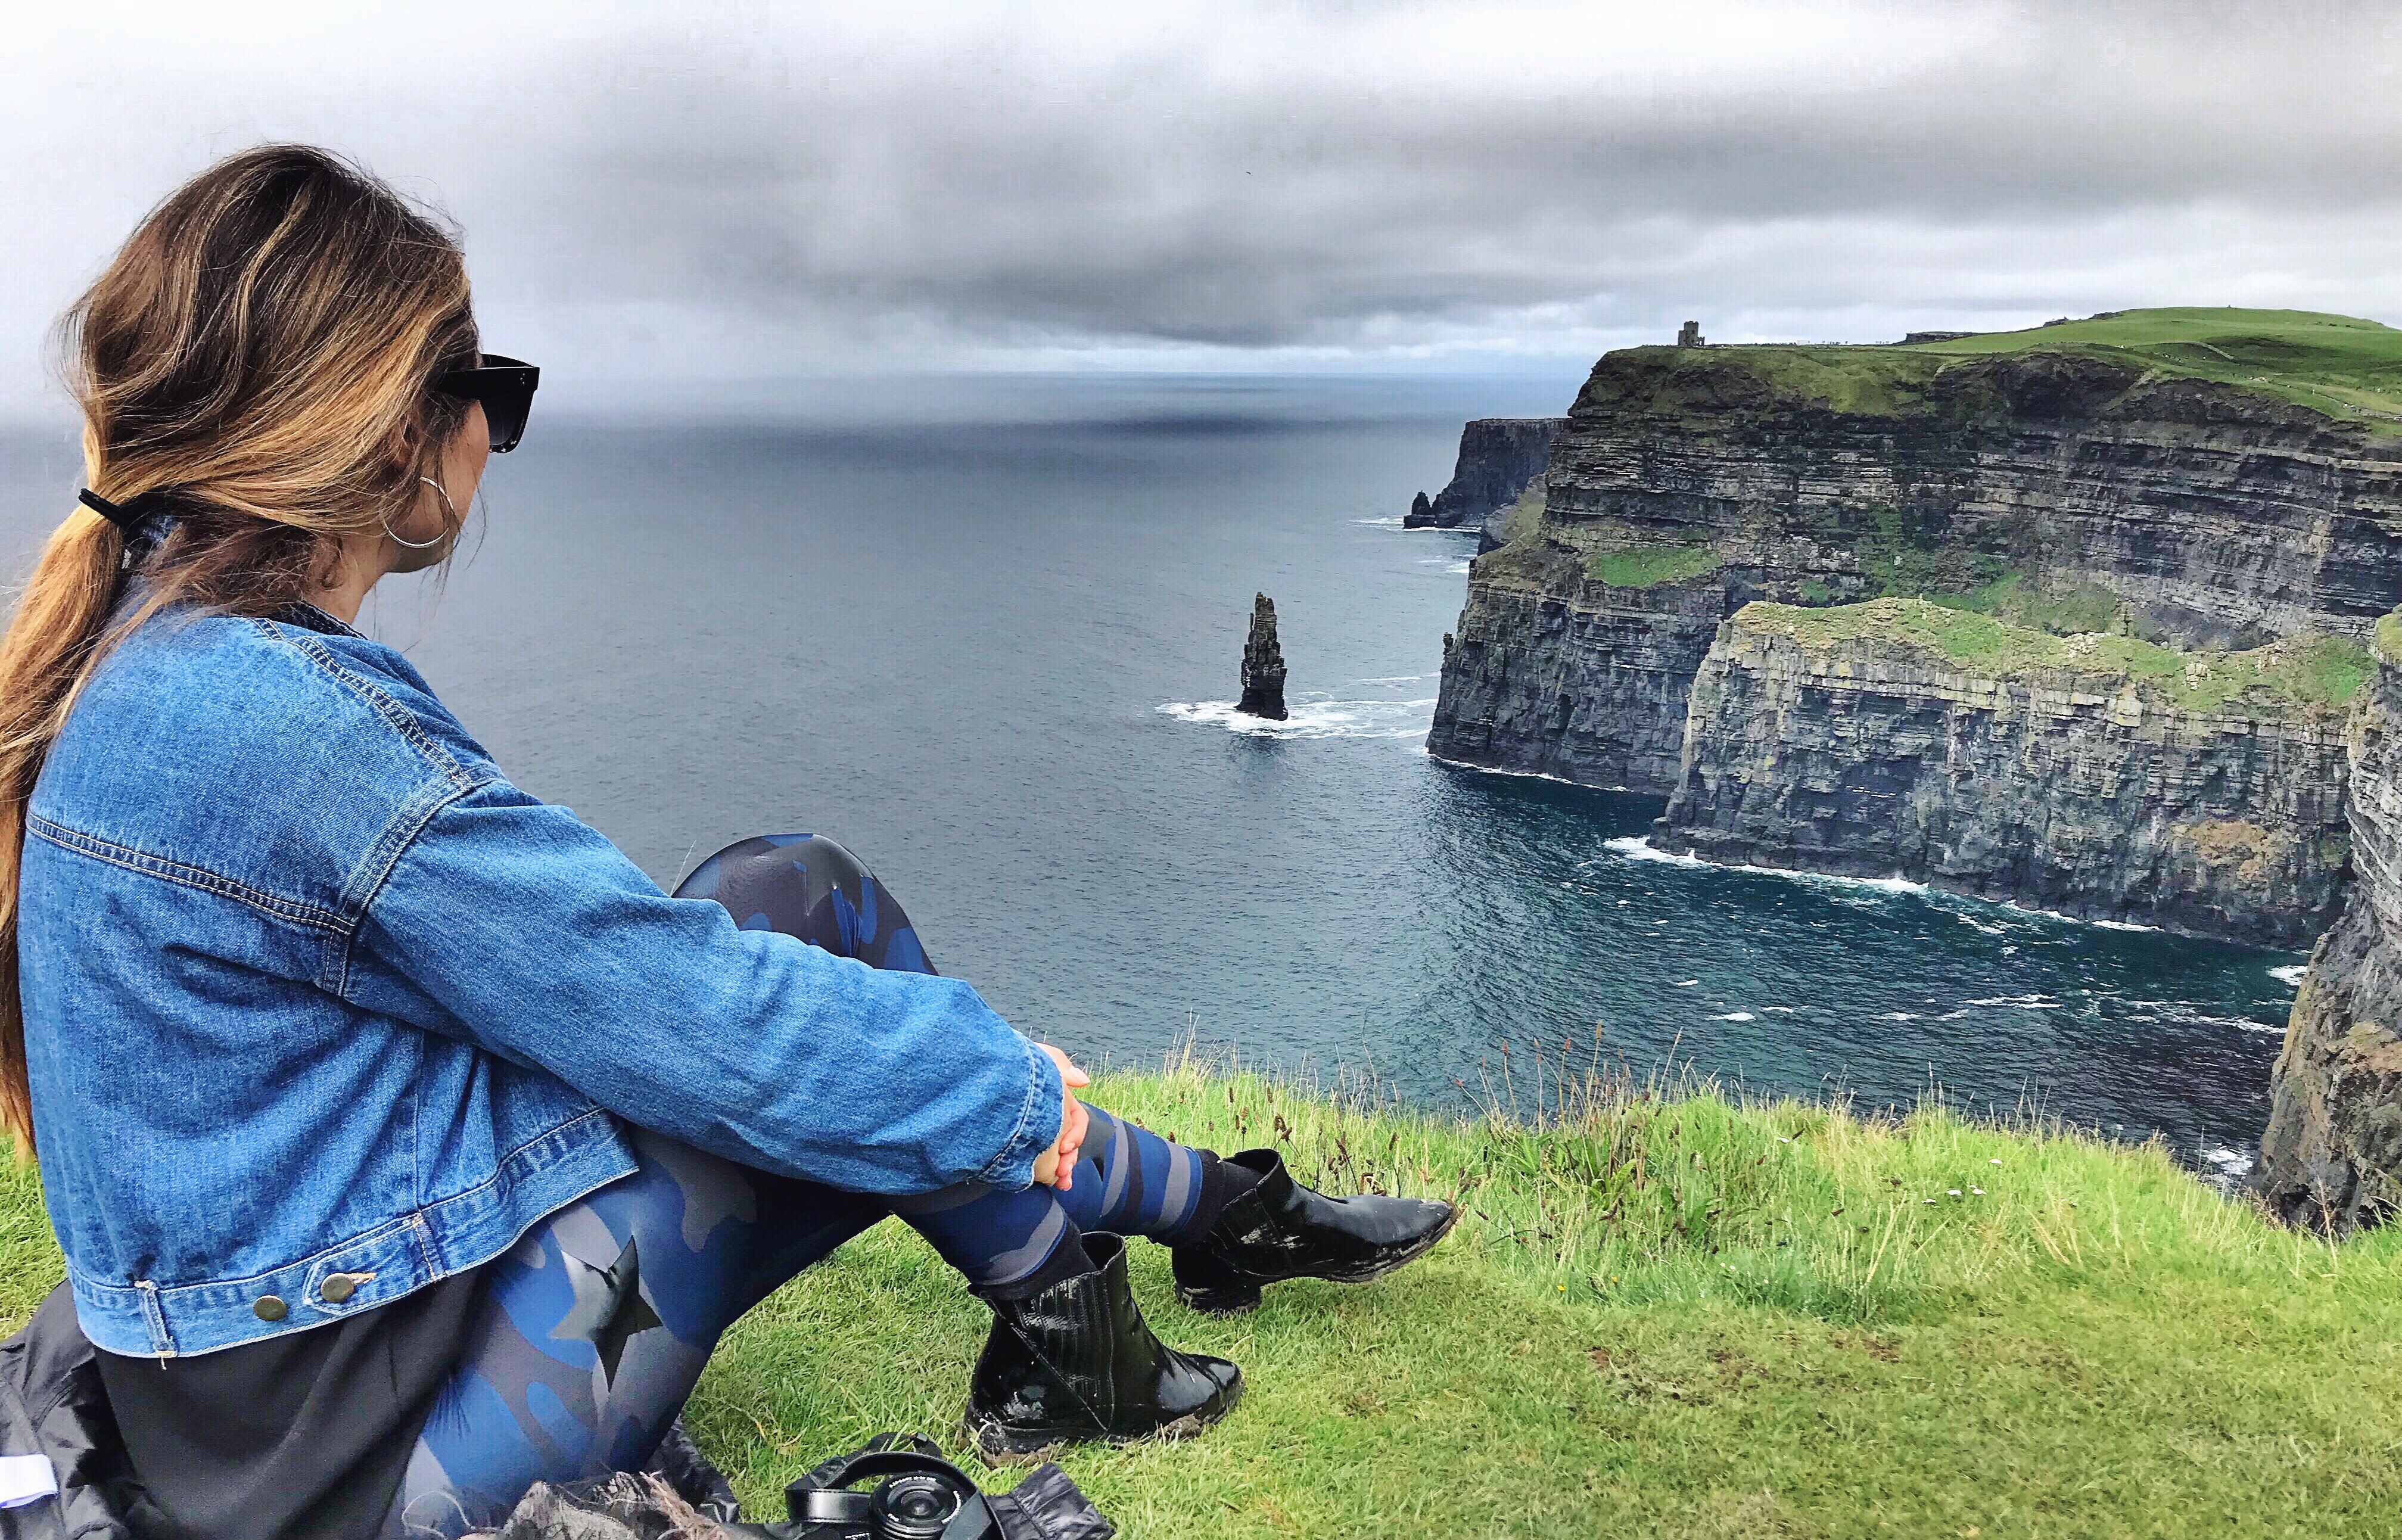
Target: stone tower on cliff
{"x": 1262, "y": 665}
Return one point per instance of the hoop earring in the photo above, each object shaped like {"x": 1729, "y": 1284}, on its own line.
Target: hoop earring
{"x": 446, "y": 530}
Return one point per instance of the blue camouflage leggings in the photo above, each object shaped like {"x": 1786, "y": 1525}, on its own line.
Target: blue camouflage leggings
{"x": 594, "y": 1328}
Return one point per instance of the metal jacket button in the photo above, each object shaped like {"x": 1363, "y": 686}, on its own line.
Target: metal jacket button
{"x": 337, "y": 1287}
{"x": 268, "y": 1308}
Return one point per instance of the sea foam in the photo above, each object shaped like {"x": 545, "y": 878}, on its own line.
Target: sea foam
{"x": 1637, "y": 847}
{"x": 1317, "y": 719}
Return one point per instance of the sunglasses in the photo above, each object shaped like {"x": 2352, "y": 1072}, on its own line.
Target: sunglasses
{"x": 504, "y": 387}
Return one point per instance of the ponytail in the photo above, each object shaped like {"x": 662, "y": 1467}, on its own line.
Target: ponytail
{"x": 57, "y": 628}
{"x": 250, "y": 365}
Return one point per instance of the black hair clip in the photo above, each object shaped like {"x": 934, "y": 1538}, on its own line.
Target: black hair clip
{"x": 126, "y": 515}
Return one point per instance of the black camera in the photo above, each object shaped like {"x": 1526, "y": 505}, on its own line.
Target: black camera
{"x": 922, "y": 1496}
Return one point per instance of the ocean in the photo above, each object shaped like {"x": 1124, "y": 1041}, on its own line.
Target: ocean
{"x": 987, "y": 632}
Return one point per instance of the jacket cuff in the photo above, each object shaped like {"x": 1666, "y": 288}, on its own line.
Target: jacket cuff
{"x": 1038, "y": 1125}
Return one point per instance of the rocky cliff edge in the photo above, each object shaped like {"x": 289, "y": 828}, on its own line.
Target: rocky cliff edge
{"x": 2332, "y": 1154}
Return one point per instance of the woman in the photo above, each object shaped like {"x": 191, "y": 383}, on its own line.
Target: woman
{"x": 406, "y": 1144}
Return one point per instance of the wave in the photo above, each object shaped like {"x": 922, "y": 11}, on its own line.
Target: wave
{"x": 1637, "y": 847}
{"x": 2290, "y": 975}
{"x": 1736, "y": 1016}
{"x": 1317, "y": 719}
{"x": 2020, "y": 1002}
{"x": 1392, "y": 523}
{"x": 1527, "y": 774}
{"x": 1453, "y": 566}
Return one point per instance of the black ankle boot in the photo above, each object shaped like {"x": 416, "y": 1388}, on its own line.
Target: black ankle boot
{"x": 1076, "y": 1363}
{"x": 1281, "y": 1230}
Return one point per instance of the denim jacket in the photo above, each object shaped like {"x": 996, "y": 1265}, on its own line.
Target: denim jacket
{"x": 310, "y": 988}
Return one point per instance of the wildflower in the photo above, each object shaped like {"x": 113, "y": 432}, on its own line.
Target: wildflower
{"x": 1996, "y": 1160}
{"x": 1955, "y": 1192}
{"x": 1978, "y": 1190}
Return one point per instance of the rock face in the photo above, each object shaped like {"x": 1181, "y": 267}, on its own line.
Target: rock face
{"x": 1498, "y": 457}
{"x": 1689, "y": 483}
{"x": 1262, "y": 665}
{"x": 2048, "y": 772}
{"x": 2332, "y": 1154}
{"x": 2061, "y": 490}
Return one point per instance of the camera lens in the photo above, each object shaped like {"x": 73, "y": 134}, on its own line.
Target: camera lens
{"x": 915, "y": 1506}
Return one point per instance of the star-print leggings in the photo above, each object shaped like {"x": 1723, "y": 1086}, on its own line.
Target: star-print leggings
{"x": 594, "y": 1328}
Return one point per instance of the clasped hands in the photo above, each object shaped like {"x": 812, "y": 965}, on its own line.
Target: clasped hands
{"x": 1056, "y": 1167}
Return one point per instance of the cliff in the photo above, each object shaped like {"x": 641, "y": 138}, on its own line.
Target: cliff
{"x": 1498, "y": 457}
{"x": 2332, "y": 1154}
{"x": 2169, "y": 477}
{"x": 2099, "y": 775}
{"x": 2054, "y": 488}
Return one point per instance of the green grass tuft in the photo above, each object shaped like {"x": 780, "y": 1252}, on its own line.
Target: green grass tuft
{"x": 2389, "y": 639}
{"x": 1525, "y": 515}
{"x": 1669, "y": 1314}
{"x": 2314, "y": 673}
{"x": 1649, "y": 566}
{"x": 2068, "y": 612}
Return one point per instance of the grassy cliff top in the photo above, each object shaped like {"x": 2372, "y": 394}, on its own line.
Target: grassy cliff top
{"x": 2313, "y": 673}
{"x": 2339, "y": 366}
{"x": 1663, "y": 1316}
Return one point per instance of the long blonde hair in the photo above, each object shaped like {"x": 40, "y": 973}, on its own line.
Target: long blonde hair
{"x": 255, "y": 365}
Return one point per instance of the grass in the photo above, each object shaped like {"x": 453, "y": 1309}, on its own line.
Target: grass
{"x": 2071, "y": 611}
{"x": 1671, "y": 1315}
{"x": 2388, "y": 643}
{"x": 1899, "y": 562}
{"x": 1649, "y": 566}
{"x": 2317, "y": 674}
{"x": 1525, "y": 515}
{"x": 2339, "y": 366}
{"x": 1681, "y": 1316}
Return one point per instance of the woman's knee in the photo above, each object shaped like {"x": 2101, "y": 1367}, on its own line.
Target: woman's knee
{"x": 813, "y": 888}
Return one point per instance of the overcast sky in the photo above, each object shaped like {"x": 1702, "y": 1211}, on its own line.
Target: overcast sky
{"x": 667, "y": 193}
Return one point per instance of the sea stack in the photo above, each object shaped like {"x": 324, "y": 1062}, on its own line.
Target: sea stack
{"x": 1262, "y": 665}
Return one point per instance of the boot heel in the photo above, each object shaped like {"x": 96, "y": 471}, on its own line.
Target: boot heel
{"x": 1001, "y": 1445}
{"x": 1231, "y": 1300}
{"x": 1205, "y": 1284}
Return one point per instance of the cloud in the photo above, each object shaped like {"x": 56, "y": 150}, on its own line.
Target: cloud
{"x": 737, "y": 192}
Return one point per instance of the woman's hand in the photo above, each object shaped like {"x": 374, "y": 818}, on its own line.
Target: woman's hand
{"x": 1056, "y": 1167}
